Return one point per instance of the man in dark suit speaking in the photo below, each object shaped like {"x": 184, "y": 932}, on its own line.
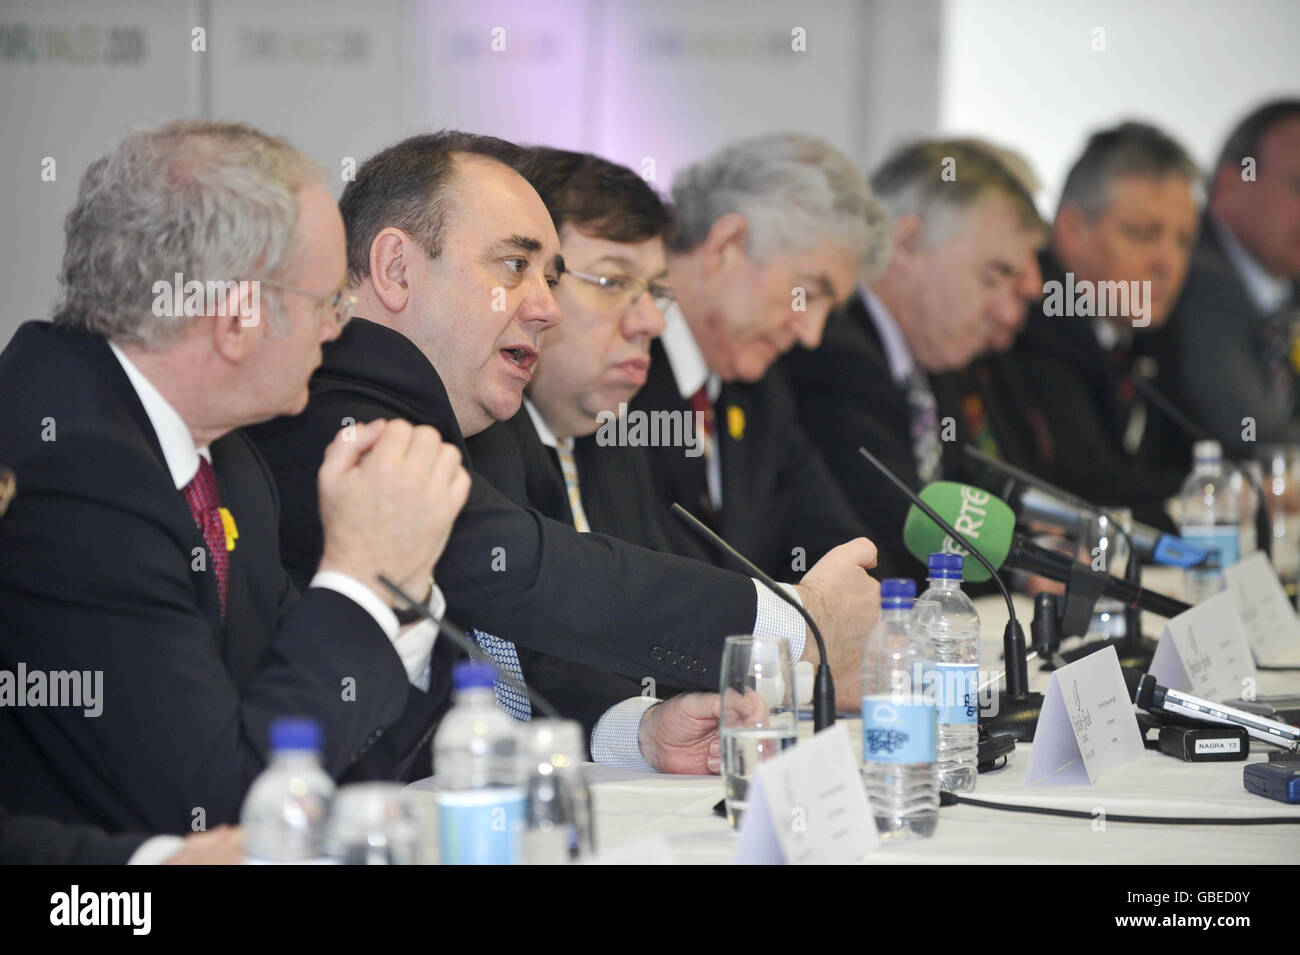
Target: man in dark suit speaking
{"x": 205, "y": 265}
{"x": 453, "y": 257}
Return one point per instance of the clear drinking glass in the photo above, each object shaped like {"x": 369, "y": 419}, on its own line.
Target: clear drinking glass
{"x": 1103, "y": 546}
{"x": 759, "y": 715}
{"x": 1280, "y": 473}
{"x": 372, "y": 824}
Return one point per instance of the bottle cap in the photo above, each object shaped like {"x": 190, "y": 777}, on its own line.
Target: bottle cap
{"x": 897, "y": 591}
{"x": 473, "y": 675}
{"x": 290, "y": 733}
{"x": 944, "y": 566}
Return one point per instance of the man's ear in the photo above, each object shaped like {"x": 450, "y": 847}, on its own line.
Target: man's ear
{"x": 237, "y": 321}
{"x": 725, "y": 243}
{"x": 391, "y": 254}
{"x": 906, "y": 237}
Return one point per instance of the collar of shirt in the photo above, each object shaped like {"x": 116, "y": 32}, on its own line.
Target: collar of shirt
{"x": 1267, "y": 293}
{"x": 689, "y": 368}
{"x": 543, "y": 430}
{"x": 901, "y": 363}
{"x": 1108, "y": 336}
{"x": 174, "y": 436}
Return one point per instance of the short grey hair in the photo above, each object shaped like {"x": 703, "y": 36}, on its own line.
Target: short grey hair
{"x": 795, "y": 192}
{"x": 1129, "y": 149}
{"x": 940, "y": 180}
{"x": 212, "y": 201}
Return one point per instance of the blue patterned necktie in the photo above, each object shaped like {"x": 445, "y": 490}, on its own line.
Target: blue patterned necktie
{"x": 502, "y": 652}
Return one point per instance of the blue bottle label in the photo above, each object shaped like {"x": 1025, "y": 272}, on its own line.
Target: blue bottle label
{"x": 898, "y": 732}
{"x": 1222, "y": 541}
{"x": 956, "y": 686}
{"x": 482, "y": 826}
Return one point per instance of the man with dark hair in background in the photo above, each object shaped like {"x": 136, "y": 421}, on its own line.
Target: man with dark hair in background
{"x": 1235, "y": 326}
{"x": 961, "y": 274}
{"x": 1120, "y": 248}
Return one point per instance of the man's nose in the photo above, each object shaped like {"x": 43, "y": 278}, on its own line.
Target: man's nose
{"x": 539, "y": 306}
{"x": 808, "y": 326}
{"x": 644, "y": 317}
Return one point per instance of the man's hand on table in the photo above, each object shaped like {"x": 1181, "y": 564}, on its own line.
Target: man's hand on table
{"x": 680, "y": 735}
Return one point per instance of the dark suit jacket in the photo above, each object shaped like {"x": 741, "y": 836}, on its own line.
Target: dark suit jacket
{"x": 617, "y": 497}
{"x": 36, "y": 840}
{"x": 508, "y": 570}
{"x": 95, "y": 575}
{"x": 1220, "y": 375}
{"x": 777, "y": 492}
{"x": 1086, "y": 399}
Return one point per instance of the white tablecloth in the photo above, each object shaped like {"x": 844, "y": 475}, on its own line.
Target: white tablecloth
{"x": 634, "y": 808}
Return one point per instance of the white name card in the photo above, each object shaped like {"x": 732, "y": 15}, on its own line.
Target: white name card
{"x": 1087, "y": 725}
{"x": 808, "y": 806}
{"x": 1204, "y": 651}
{"x": 1270, "y": 621}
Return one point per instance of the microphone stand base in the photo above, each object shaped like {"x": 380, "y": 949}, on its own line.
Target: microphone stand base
{"x": 1132, "y": 653}
{"x": 1017, "y": 716}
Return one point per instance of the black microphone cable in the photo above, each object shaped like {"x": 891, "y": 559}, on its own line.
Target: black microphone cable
{"x": 954, "y": 799}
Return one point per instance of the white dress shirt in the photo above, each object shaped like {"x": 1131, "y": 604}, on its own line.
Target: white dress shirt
{"x": 902, "y": 364}
{"x": 414, "y": 644}
{"x": 1267, "y": 293}
{"x": 614, "y": 738}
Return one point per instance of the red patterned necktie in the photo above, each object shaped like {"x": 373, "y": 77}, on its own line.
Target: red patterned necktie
{"x": 201, "y": 495}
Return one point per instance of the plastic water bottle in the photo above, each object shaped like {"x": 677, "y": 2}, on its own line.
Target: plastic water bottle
{"x": 559, "y": 802}
{"x": 287, "y": 807}
{"x": 947, "y": 620}
{"x": 479, "y": 768}
{"x": 899, "y": 723}
{"x": 1210, "y": 519}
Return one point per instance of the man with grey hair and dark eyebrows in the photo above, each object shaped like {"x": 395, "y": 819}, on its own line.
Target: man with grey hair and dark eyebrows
{"x": 1120, "y": 249}
{"x": 771, "y": 233}
{"x": 896, "y": 372}
{"x": 205, "y": 265}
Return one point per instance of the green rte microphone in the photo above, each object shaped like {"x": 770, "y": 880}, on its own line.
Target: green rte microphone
{"x": 985, "y": 519}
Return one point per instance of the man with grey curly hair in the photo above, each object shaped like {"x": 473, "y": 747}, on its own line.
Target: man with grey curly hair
{"x": 141, "y": 556}
{"x": 897, "y": 372}
{"x": 771, "y": 233}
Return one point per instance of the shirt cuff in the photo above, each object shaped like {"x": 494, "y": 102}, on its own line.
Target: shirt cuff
{"x": 156, "y": 850}
{"x": 776, "y": 618}
{"x": 414, "y": 644}
{"x": 614, "y": 739}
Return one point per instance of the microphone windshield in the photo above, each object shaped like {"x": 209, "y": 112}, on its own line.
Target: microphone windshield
{"x": 984, "y": 519}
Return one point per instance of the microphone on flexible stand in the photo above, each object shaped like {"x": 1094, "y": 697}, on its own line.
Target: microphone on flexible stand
{"x": 1018, "y": 709}
{"x": 457, "y": 636}
{"x": 823, "y": 684}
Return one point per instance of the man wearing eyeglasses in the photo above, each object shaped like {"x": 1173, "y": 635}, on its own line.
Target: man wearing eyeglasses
{"x": 455, "y": 259}
{"x": 149, "y": 634}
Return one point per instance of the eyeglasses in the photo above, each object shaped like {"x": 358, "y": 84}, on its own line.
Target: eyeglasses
{"x": 340, "y": 303}
{"x": 627, "y": 289}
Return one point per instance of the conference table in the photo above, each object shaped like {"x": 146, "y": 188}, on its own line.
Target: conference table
{"x": 651, "y": 818}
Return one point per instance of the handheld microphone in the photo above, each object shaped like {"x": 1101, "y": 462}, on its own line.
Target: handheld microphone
{"x": 1034, "y": 499}
{"x": 1151, "y": 696}
{"x": 457, "y": 636}
{"x": 1018, "y": 712}
{"x": 990, "y": 522}
{"x": 824, "y": 683}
